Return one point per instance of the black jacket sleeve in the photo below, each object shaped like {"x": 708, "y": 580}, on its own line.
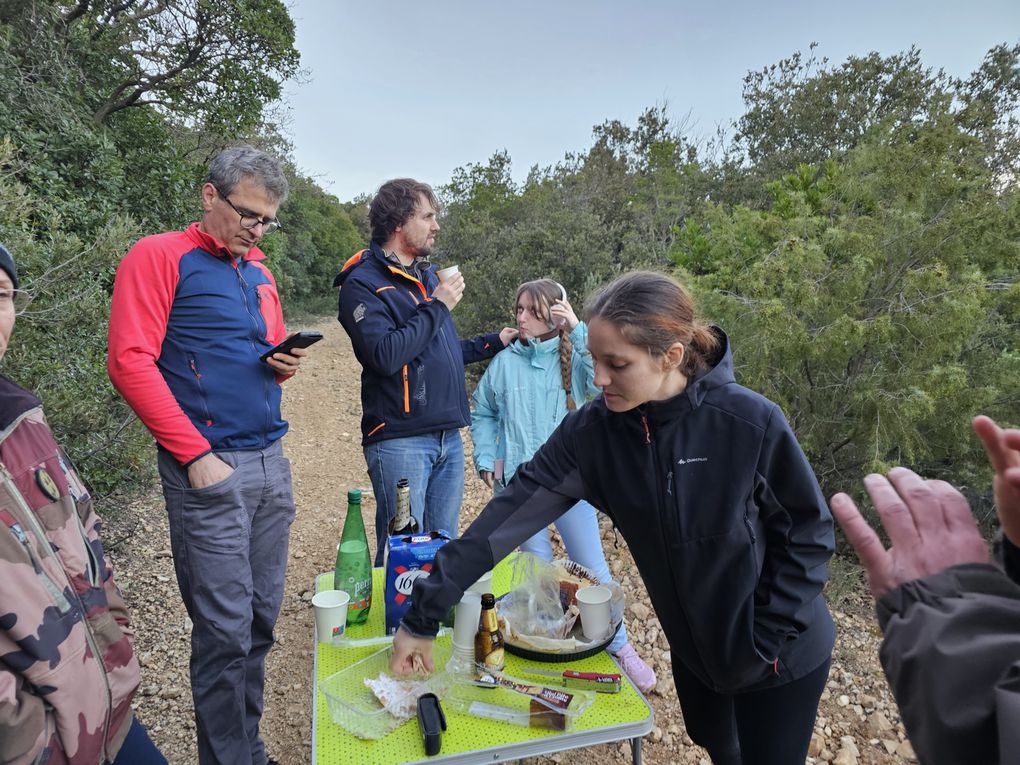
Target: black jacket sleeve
{"x": 541, "y": 491}
{"x": 952, "y": 655}
{"x": 481, "y": 348}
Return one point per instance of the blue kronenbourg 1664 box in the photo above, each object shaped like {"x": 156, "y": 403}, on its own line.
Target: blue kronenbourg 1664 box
{"x": 408, "y": 557}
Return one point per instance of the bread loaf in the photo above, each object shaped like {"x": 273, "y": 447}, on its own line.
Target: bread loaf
{"x": 569, "y": 585}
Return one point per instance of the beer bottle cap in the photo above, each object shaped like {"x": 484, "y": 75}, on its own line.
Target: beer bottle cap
{"x": 354, "y": 496}
{"x": 488, "y": 600}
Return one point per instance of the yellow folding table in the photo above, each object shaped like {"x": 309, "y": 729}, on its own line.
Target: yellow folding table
{"x": 613, "y": 717}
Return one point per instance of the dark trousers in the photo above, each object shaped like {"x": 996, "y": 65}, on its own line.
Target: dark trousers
{"x": 229, "y": 542}
{"x": 138, "y": 748}
{"x": 767, "y": 727}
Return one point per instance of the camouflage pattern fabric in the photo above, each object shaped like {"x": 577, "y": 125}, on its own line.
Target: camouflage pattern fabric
{"x": 67, "y": 666}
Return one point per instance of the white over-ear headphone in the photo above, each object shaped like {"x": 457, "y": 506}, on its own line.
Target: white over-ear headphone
{"x": 559, "y": 321}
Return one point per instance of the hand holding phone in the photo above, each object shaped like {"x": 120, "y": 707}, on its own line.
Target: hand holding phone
{"x": 289, "y": 343}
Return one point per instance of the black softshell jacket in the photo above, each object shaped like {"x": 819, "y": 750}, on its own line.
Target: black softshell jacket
{"x": 721, "y": 512}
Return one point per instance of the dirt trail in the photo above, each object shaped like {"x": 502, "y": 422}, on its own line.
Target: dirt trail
{"x": 858, "y": 722}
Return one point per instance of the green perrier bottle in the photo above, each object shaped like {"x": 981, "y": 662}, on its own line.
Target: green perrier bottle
{"x": 353, "y": 572}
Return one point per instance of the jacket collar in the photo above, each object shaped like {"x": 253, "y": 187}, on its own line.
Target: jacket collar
{"x": 14, "y": 402}
{"x": 717, "y": 374}
{"x": 536, "y": 351}
{"x": 374, "y": 254}
{"x": 532, "y": 347}
{"x": 214, "y": 246}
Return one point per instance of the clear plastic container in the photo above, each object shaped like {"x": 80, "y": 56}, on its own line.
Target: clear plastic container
{"x": 354, "y": 706}
{"x": 519, "y": 702}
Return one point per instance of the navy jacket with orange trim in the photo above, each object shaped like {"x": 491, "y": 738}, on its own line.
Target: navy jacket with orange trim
{"x": 412, "y": 379}
{"x": 187, "y": 326}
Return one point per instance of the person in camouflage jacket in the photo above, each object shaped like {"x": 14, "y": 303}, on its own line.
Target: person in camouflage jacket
{"x": 68, "y": 671}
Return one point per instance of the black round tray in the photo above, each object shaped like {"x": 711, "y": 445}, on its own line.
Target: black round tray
{"x": 556, "y": 658}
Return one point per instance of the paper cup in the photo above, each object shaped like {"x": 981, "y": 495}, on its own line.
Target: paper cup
{"x": 330, "y": 615}
{"x": 483, "y": 585}
{"x": 446, "y": 273}
{"x": 594, "y": 605}
{"x": 465, "y": 620}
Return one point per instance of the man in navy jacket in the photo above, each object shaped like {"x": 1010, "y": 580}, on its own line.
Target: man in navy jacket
{"x": 397, "y": 314}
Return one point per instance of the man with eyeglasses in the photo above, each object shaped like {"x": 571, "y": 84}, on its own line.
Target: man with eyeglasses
{"x": 192, "y": 312}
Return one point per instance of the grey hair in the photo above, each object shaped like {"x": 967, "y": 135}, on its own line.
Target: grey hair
{"x": 231, "y": 165}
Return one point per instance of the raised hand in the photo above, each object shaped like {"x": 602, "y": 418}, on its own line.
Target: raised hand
{"x": 929, "y": 524}
{"x": 563, "y": 311}
{"x": 1003, "y": 448}
{"x": 450, "y": 291}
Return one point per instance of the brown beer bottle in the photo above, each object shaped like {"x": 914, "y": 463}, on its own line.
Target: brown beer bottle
{"x": 489, "y": 639}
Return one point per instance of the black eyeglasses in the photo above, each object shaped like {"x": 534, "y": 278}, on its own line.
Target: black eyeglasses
{"x": 250, "y": 220}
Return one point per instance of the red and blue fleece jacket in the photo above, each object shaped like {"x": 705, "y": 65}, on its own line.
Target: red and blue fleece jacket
{"x": 188, "y": 323}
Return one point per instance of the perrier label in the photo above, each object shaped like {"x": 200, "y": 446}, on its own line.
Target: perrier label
{"x": 353, "y": 571}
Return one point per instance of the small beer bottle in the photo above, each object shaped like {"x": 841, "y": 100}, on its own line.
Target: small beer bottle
{"x": 353, "y": 571}
{"x": 489, "y": 639}
{"x": 403, "y": 523}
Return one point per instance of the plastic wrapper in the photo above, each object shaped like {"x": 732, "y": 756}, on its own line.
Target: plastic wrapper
{"x": 540, "y": 611}
{"x": 521, "y": 702}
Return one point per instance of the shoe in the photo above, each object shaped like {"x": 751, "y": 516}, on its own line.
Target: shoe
{"x": 271, "y": 761}
{"x": 640, "y": 673}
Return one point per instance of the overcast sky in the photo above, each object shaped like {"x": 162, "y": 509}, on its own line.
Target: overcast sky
{"x": 397, "y": 88}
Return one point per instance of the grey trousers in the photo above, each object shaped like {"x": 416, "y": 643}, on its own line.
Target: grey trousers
{"x": 229, "y": 543}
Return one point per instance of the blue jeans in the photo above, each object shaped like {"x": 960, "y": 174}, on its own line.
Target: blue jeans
{"x": 433, "y": 464}
{"x": 579, "y": 527}
{"x": 138, "y": 748}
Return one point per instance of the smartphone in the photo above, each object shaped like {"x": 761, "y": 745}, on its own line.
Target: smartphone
{"x": 297, "y": 340}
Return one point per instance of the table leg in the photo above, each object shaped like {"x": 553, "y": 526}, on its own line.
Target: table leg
{"x": 635, "y": 750}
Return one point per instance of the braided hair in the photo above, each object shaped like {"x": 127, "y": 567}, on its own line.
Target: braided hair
{"x": 544, "y": 293}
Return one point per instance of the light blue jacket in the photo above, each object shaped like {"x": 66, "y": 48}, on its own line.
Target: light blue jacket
{"x": 520, "y": 399}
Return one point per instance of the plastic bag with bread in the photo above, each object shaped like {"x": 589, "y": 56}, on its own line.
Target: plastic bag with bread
{"x": 540, "y": 612}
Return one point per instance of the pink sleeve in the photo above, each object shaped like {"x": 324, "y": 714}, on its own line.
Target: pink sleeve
{"x": 143, "y": 294}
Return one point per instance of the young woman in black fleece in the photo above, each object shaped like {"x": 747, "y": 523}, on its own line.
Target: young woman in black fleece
{"x": 705, "y": 481}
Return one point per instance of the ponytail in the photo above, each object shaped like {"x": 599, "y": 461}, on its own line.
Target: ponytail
{"x": 654, "y": 311}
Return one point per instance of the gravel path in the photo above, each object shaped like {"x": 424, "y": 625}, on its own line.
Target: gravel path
{"x": 858, "y": 721}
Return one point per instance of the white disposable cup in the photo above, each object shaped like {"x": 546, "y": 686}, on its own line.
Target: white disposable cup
{"x": 445, "y": 273}
{"x": 465, "y": 619}
{"x": 330, "y": 615}
{"x": 594, "y": 605}
{"x": 462, "y": 660}
{"x": 483, "y": 585}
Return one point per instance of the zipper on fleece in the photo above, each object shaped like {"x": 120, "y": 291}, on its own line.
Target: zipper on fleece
{"x": 242, "y": 284}
{"x": 660, "y": 513}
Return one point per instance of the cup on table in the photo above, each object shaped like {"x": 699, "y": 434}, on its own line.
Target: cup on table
{"x": 465, "y": 619}
{"x": 330, "y": 615}
{"x": 483, "y": 585}
{"x": 594, "y": 605}
{"x": 445, "y": 273}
